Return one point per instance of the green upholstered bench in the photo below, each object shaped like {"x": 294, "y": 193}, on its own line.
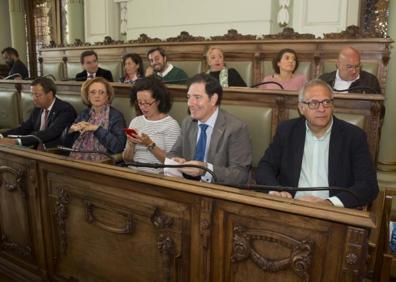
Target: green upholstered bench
{"x": 9, "y": 109}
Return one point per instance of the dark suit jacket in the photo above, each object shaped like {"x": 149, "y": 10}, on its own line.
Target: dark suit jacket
{"x": 350, "y": 163}
{"x": 230, "y": 150}
{"x": 365, "y": 80}
{"x": 82, "y": 76}
{"x": 61, "y": 116}
{"x": 19, "y": 67}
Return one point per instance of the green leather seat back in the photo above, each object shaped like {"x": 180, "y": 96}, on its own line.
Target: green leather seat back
{"x": 72, "y": 69}
{"x": 114, "y": 67}
{"x": 74, "y": 100}
{"x": 9, "y": 112}
{"x": 259, "y": 121}
{"x": 190, "y": 67}
{"x": 56, "y": 69}
{"x": 26, "y": 106}
{"x": 122, "y": 104}
{"x": 355, "y": 119}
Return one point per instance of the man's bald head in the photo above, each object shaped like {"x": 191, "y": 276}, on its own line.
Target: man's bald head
{"x": 348, "y": 63}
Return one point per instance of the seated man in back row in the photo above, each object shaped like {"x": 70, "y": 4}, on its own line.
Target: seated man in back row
{"x": 211, "y": 137}
{"x": 349, "y": 76}
{"x": 319, "y": 150}
{"x": 18, "y": 70}
{"x": 89, "y": 61}
{"x": 47, "y": 121}
{"x": 160, "y": 67}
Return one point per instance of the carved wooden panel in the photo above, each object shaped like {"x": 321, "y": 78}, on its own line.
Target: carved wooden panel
{"x": 15, "y": 237}
{"x": 115, "y": 238}
{"x": 19, "y": 218}
{"x": 112, "y": 224}
{"x": 264, "y": 245}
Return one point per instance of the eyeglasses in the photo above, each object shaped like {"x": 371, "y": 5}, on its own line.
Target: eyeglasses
{"x": 142, "y": 104}
{"x": 314, "y": 104}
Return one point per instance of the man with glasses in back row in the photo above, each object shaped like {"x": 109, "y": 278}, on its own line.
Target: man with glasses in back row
{"x": 46, "y": 122}
{"x": 349, "y": 76}
{"x": 320, "y": 150}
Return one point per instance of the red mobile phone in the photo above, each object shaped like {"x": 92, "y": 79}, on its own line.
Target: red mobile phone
{"x": 130, "y": 131}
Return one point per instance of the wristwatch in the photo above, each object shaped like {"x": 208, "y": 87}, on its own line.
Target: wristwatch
{"x": 151, "y": 146}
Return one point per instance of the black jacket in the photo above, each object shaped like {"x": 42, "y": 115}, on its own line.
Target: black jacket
{"x": 61, "y": 116}
{"x": 350, "y": 162}
{"x": 82, "y": 76}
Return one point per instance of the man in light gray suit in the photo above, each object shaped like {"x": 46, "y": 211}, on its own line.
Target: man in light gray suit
{"x": 211, "y": 137}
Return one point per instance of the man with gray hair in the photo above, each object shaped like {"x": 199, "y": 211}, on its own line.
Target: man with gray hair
{"x": 320, "y": 150}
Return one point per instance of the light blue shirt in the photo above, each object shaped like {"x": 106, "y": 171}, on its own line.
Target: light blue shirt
{"x": 315, "y": 165}
{"x": 209, "y": 130}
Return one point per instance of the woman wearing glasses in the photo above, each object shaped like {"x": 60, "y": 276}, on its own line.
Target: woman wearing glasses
{"x": 100, "y": 127}
{"x": 153, "y": 132}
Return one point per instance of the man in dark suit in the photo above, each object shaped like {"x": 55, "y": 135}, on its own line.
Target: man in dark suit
{"x": 211, "y": 137}
{"x": 319, "y": 150}
{"x": 48, "y": 119}
{"x": 349, "y": 76}
{"x": 17, "y": 67}
{"x": 89, "y": 61}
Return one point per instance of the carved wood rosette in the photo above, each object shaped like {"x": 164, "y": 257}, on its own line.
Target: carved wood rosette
{"x": 289, "y": 33}
{"x": 299, "y": 260}
{"x": 185, "y": 37}
{"x": 355, "y": 252}
{"x": 165, "y": 242}
{"x": 62, "y": 200}
{"x": 233, "y": 34}
{"x": 18, "y": 184}
{"x": 351, "y": 32}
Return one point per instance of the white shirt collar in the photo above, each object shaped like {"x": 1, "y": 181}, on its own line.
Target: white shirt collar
{"x": 165, "y": 72}
{"x": 341, "y": 84}
{"x": 312, "y": 135}
{"x": 52, "y": 104}
{"x": 212, "y": 119}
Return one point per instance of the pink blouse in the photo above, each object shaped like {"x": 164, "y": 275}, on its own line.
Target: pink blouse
{"x": 295, "y": 83}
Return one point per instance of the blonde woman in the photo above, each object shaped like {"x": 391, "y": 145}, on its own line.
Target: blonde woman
{"x": 99, "y": 127}
{"x": 217, "y": 68}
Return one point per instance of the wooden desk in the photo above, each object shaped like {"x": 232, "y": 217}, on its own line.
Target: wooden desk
{"x": 67, "y": 220}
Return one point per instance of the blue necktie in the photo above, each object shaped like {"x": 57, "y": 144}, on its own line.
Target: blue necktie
{"x": 201, "y": 145}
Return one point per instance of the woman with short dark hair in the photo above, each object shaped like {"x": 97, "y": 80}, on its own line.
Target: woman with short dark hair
{"x": 285, "y": 63}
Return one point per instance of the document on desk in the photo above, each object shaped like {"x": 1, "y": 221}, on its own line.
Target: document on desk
{"x": 171, "y": 171}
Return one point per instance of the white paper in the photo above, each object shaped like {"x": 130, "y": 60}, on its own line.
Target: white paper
{"x": 169, "y": 171}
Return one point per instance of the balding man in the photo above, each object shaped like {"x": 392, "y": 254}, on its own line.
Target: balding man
{"x": 349, "y": 76}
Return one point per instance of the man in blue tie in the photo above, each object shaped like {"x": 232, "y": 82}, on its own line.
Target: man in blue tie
{"x": 211, "y": 137}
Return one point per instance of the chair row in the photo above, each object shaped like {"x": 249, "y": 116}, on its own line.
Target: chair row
{"x": 262, "y": 110}
{"x": 252, "y": 59}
